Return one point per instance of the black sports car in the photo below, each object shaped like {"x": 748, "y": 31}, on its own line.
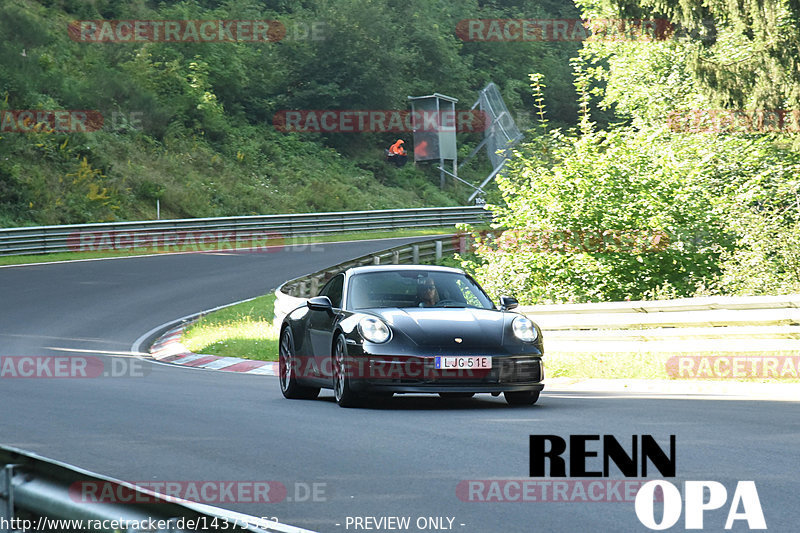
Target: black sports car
{"x": 380, "y": 330}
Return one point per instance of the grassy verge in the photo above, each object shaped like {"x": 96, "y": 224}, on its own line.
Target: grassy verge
{"x": 247, "y": 330}
{"x": 654, "y": 365}
{"x": 243, "y": 330}
{"x": 606, "y": 365}
{"x": 272, "y": 244}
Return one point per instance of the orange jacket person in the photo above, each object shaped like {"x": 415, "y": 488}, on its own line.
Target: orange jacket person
{"x": 397, "y": 148}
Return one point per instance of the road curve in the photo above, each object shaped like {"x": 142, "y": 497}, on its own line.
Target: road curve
{"x": 404, "y": 458}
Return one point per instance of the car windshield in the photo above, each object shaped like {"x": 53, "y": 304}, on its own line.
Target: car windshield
{"x": 415, "y": 288}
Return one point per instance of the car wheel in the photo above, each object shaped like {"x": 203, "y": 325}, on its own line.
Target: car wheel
{"x": 456, "y": 395}
{"x": 342, "y": 392}
{"x": 287, "y": 367}
{"x": 521, "y": 397}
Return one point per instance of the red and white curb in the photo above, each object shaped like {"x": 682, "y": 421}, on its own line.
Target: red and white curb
{"x": 168, "y": 349}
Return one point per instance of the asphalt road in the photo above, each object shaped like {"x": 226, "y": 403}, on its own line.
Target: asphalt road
{"x": 404, "y": 457}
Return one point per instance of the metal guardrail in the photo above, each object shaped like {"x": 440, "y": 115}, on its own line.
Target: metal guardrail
{"x": 202, "y": 234}
{"x": 710, "y": 324}
{"x": 36, "y": 493}
{"x": 293, "y": 293}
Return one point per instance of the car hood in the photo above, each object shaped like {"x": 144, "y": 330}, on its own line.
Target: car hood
{"x": 439, "y": 327}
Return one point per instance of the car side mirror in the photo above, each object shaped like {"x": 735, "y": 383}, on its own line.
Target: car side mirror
{"x": 320, "y": 303}
{"x": 507, "y": 303}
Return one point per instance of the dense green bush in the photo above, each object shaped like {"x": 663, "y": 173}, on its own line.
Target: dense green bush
{"x": 605, "y": 216}
{"x": 637, "y": 212}
{"x": 724, "y": 204}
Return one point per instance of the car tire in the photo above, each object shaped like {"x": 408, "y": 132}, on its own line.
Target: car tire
{"x": 287, "y": 367}
{"x": 342, "y": 392}
{"x": 522, "y": 397}
{"x": 456, "y": 395}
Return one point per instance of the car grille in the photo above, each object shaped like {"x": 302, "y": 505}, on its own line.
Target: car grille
{"x": 513, "y": 370}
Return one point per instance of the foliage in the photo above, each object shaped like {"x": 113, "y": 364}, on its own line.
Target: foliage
{"x": 766, "y": 259}
{"x": 725, "y": 201}
{"x": 744, "y": 54}
{"x": 190, "y": 124}
{"x": 643, "y": 82}
{"x": 631, "y": 213}
{"x": 602, "y": 216}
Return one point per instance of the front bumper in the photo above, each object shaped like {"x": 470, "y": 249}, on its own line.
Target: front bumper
{"x": 434, "y": 388}
{"x": 418, "y": 374}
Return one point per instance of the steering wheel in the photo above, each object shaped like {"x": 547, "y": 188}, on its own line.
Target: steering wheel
{"x": 442, "y": 303}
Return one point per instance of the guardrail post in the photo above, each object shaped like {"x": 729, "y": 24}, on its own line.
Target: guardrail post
{"x": 314, "y": 285}
{"x": 302, "y": 290}
{"x": 415, "y": 254}
{"x": 396, "y": 257}
{"x": 6, "y": 498}
{"x": 376, "y": 260}
{"x": 438, "y": 250}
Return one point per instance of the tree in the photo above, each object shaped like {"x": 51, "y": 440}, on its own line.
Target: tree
{"x": 642, "y": 212}
{"x": 746, "y": 54}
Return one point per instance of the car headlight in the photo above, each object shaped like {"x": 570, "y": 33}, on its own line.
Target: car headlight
{"x": 524, "y": 329}
{"x": 374, "y": 330}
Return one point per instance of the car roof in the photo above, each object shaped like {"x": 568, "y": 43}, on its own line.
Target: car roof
{"x": 389, "y": 268}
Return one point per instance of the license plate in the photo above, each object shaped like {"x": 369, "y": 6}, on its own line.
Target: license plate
{"x": 463, "y": 362}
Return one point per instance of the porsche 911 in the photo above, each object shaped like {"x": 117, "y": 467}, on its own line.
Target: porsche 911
{"x": 380, "y": 330}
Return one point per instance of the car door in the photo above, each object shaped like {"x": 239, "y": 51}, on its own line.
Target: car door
{"x": 321, "y": 324}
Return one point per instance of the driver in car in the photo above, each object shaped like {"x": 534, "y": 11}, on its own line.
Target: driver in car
{"x": 427, "y": 294}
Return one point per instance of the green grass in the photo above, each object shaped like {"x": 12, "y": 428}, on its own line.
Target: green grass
{"x": 359, "y": 236}
{"x": 248, "y": 330}
{"x": 243, "y": 330}
{"x": 644, "y": 365}
{"x": 606, "y": 365}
